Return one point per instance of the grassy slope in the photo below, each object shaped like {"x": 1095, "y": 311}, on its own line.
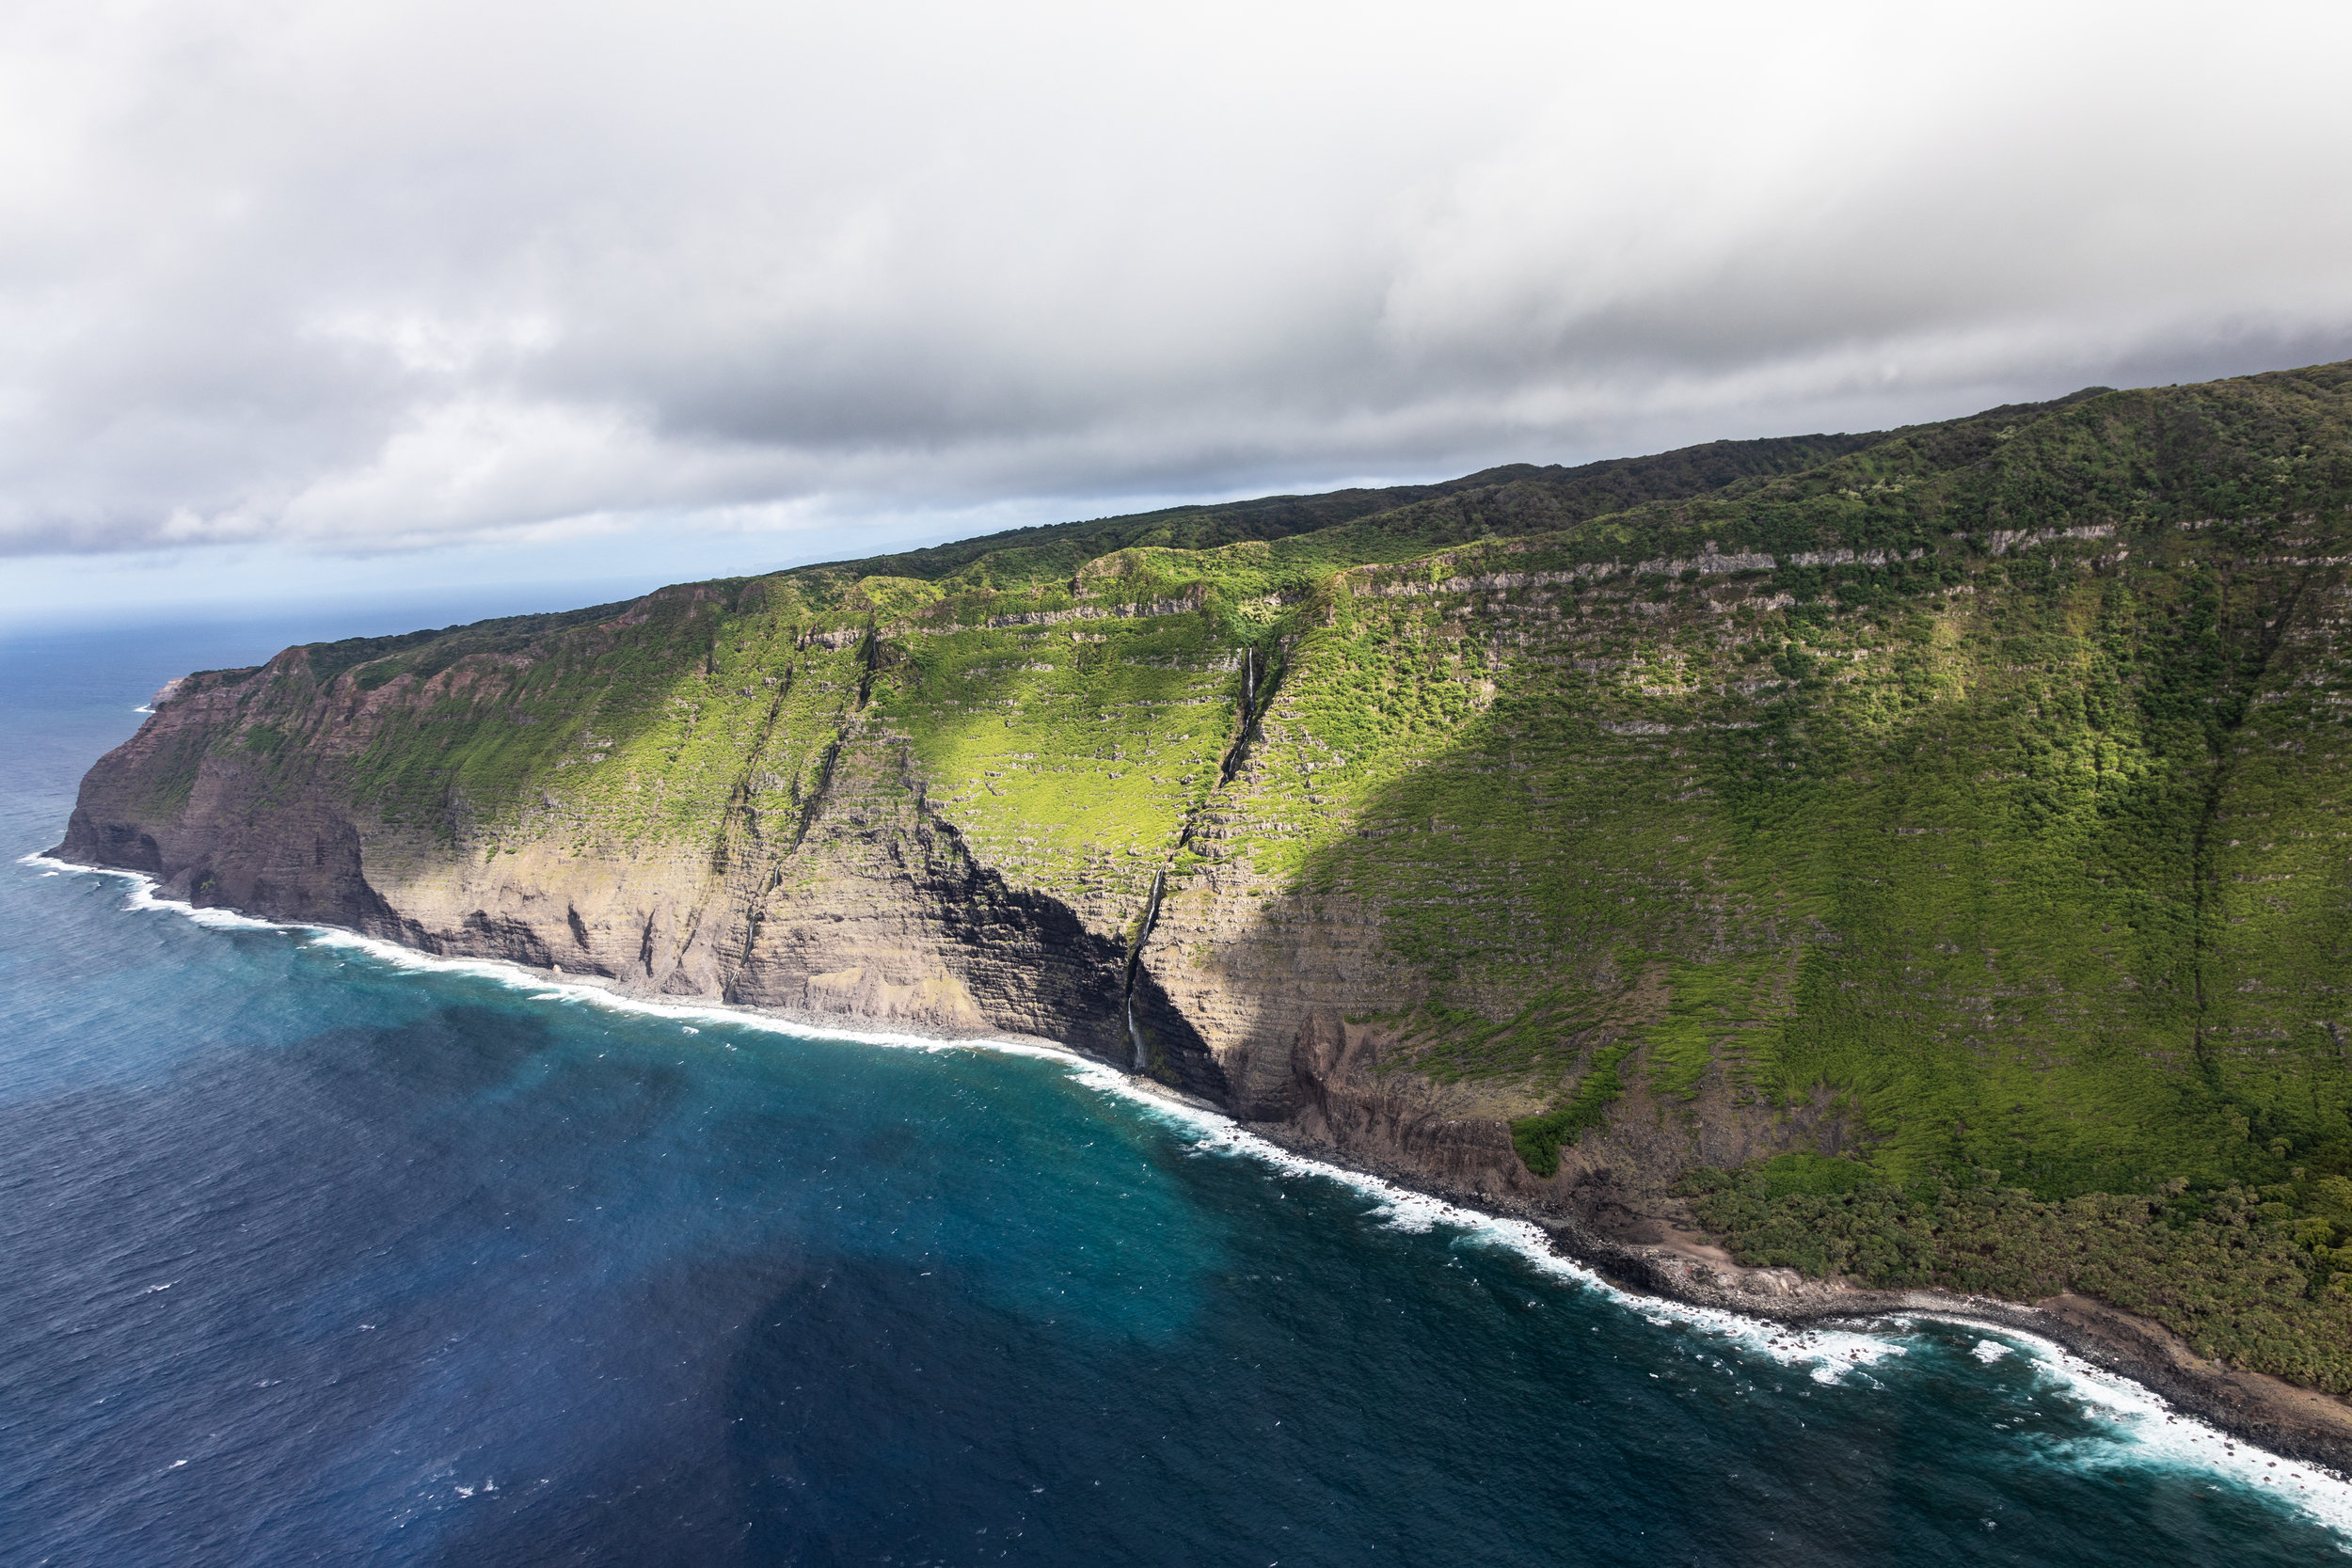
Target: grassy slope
{"x": 2037, "y": 859}
{"x": 2033, "y": 849}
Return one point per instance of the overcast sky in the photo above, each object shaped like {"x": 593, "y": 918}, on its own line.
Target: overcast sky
{"x": 315, "y": 297}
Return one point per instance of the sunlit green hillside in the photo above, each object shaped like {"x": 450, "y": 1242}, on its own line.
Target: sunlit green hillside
{"x": 1986, "y": 780}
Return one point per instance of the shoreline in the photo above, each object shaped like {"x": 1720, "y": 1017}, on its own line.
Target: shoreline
{"x": 2294, "y": 1423}
{"x": 2284, "y": 1418}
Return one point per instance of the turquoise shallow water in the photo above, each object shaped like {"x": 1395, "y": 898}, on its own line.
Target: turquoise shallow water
{"x": 319, "y": 1253}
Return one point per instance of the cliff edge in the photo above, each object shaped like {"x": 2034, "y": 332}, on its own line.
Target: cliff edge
{"x": 1913, "y": 862}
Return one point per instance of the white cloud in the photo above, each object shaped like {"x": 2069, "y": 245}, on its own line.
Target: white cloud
{"x": 425, "y": 274}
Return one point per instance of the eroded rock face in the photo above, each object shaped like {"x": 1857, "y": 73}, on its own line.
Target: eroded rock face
{"x": 867, "y": 908}
{"x": 853, "y": 847}
{"x": 1540, "y": 839}
{"x": 1614, "y": 1183}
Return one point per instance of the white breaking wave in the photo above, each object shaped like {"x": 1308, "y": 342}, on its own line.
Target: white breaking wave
{"x": 1826, "y": 1354}
{"x": 143, "y": 896}
{"x": 2143, "y": 1428}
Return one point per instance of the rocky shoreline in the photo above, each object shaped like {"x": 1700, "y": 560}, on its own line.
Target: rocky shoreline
{"x": 2291, "y": 1422}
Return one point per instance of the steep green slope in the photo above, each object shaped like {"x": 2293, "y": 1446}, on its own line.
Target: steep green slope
{"x": 1926, "y": 852}
{"x": 2024, "y": 835}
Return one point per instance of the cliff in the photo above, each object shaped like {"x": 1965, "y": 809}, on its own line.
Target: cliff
{"x": 1917, "y": 859}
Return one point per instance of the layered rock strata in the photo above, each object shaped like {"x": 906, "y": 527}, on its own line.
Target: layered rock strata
{"x": 1968, "y": 807}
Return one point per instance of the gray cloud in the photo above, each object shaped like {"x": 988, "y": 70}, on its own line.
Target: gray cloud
{"x": 404, "y": 276}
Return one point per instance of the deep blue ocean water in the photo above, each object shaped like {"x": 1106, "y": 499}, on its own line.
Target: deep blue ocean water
{"x": 312, "y": 1253}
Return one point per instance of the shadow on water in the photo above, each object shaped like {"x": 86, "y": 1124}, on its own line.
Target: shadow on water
{"x": 310, "y": 1258}
{"x": 503, "y": 1285}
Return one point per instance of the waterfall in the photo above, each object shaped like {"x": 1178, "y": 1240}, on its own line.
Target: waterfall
{"x": 1143, "y": 927}
{"x": 1135, "y": 956}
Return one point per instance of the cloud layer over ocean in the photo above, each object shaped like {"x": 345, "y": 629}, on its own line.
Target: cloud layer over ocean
{"x": 382, "y": 277}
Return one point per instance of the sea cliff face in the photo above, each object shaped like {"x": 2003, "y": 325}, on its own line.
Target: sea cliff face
{"x": 1809, "y": 844}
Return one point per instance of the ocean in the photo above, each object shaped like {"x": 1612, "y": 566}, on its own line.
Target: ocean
{"x": 315, "y": 1251}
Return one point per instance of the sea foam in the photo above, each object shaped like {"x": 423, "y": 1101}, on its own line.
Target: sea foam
{"x": 2138, "y": 1427}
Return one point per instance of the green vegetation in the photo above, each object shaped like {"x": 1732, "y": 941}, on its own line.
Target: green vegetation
{"x": 1539, "y": 1138}
{"x": 1983, "y": 785}
{"x": 2261, "y": 1276}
